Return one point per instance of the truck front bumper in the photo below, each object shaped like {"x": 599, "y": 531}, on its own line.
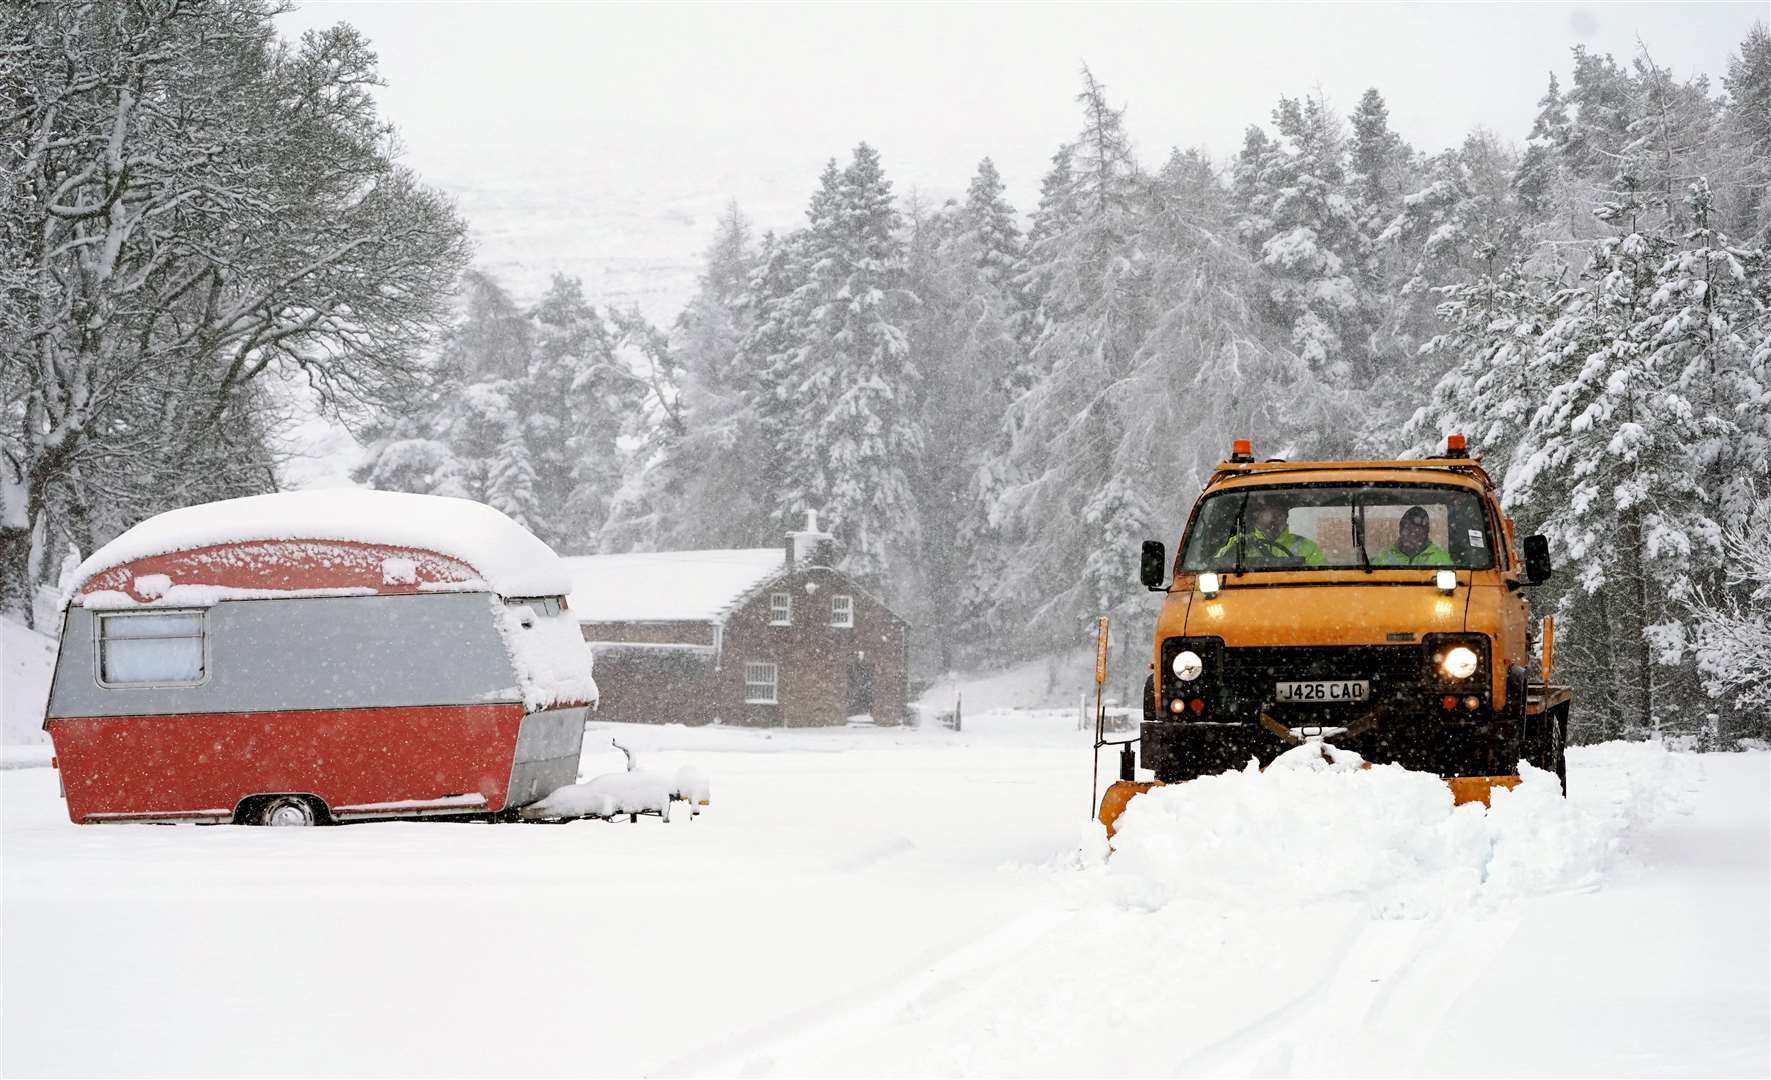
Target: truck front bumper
{"x": 1484, "y": 744}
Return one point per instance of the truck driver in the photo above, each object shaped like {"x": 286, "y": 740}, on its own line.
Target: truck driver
{"x": 1266, "y": 539}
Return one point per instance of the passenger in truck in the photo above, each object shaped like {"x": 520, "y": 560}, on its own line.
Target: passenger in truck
{"x": 1413, "y": 547}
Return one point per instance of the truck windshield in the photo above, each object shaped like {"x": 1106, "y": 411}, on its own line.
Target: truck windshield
{"x": 1339, "y": 527}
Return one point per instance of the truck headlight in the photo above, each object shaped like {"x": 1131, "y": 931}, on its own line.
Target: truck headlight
{"x": 1208, "y": 584}
{"x": 1459, "y": 662}
{"x": 1187, "y": 665}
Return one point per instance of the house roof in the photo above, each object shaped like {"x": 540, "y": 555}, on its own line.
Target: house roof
{"x": 668, "y": 586}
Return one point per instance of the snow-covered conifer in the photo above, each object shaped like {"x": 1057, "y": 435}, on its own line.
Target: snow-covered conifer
{"x": 1748, "y": 131}
{"x": 510, "y": 482}
{"x": 1611, "y": 452}
{"x": 869, "y": 435}
{"x": 1310, "y": 245}
{"x": 1066, "y": 429}
{"x": 1537, "y": 175}
{"x": 1731, "y": 634}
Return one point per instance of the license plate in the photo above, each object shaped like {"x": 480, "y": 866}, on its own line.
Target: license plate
{"x": 1325, "y": 690}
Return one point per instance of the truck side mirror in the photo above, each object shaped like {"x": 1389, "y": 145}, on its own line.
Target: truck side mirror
{"x": 1153, "y": 565}
{"x": 1537, "y": 560}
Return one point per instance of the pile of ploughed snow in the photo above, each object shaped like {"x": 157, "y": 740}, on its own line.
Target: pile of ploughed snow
{"x": 1322, "y": 827}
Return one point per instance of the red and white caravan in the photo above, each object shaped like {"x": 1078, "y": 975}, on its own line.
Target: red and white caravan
{"x": 314, "y": 656}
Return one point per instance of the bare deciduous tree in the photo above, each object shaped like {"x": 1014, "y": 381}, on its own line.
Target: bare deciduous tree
{"x": 190, "y": 205}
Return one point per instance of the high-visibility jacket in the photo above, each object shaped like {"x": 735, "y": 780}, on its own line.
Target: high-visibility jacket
{"x": 1259, "y": 547}
{"x": 1431, "y": 555}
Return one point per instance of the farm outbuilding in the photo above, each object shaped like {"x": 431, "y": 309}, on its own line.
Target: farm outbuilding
{"x": 759, "y": 636}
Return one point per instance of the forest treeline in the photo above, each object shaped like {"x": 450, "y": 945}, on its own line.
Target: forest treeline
{"x": 992, "y": 405}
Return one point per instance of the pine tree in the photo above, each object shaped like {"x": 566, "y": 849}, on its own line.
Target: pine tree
{"x": 721, "y": 453}
{"x": 1748, "y": 131}
{"x": 1310, "y": 246}
{"x": 768, "y": 368}
{"x": 1537, "y": 175}
{"x": 1702, "y": 323}
{"x": 806, "y": 380}
{"x": 869, "y": 435}
{"x": 973, "y": 367}
{"x": 1491, "y": 387}
{"x": 1055, "y": 215}
{"x": 1380, "y": 170}
{"x": 988, "y": 222}
{"x": 1731, "y": 637}
{"x": 644, "y": 512}
{"x": 1699, "y": 329}
{"x": 510, "y": 482}
{"x": 1377, "y": 157}
{"x": 1603, "y": 99}
{"x": 1066, "y": 429}
{"x": 1670, "y": 136}
{"x": 572, "y": 402}
{"x": 1612, "y": 445}
{"x": 1252, "y": 187}
{"x": 1462, "y": 222}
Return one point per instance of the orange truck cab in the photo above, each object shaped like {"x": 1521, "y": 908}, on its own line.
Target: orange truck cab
{"x": 1377, "y": 605}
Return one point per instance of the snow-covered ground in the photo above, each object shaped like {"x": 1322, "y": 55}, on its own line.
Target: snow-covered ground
{"x": 922, "y": 902}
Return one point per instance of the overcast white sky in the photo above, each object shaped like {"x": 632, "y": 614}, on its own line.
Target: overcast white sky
{"x": 602, "y": 139}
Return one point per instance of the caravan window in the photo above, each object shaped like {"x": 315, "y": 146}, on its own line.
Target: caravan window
{"x": 157, "y": 648}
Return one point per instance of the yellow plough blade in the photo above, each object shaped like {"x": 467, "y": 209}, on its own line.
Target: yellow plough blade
{"x": 1469, "y": 789}
{"x": 1118, "y": 794}
{"x": 1464, "y": 789}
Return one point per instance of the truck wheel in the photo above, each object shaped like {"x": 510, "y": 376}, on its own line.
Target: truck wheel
{"x": 286, "y": 810}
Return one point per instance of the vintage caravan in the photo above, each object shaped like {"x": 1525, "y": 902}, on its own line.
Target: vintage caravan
{"x": 318, "y": 656}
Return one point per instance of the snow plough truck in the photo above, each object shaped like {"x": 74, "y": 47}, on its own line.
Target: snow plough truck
{"x": 1376, "y": 606}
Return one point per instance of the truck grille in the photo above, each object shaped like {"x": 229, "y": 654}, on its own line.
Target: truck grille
{"x": 1395, "y": 673}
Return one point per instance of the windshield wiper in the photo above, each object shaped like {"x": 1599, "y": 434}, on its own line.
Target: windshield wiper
{"x": 1359, "y": 535}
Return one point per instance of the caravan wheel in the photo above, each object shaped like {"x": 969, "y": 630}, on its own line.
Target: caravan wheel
{"x": 285, "y": 810}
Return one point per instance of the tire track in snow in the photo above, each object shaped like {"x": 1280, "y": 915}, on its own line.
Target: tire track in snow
{"x": 936, "y": 975}
{"x": 1376, "y": 1006}
{"x": 1403, "y": 1021}
{"x": 1220, "y": 1056}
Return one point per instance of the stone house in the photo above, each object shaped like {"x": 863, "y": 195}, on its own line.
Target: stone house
{"x": 771, "y": 637}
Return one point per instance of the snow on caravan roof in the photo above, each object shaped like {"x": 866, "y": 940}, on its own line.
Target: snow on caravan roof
{"x": 509, "y": 558}
{"x": 667, "y": 586}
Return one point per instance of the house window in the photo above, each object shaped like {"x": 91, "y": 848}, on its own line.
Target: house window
{"x": 759, "y": 684}
{"x": 160, "y": 648}
{"x": 780, "y": 609}
{"x": 842, "y": 611}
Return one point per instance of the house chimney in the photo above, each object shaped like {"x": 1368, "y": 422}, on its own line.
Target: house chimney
{"x": 809, "y": 543}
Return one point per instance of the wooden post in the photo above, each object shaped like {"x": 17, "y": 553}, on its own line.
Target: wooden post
{"x": 1094, "y": 780}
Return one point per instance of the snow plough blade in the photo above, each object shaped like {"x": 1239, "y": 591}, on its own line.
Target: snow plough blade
{"x": 1469, "y": 789}
{"x": 1464, "y": 789}
{"x": 1118, "y": 794}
